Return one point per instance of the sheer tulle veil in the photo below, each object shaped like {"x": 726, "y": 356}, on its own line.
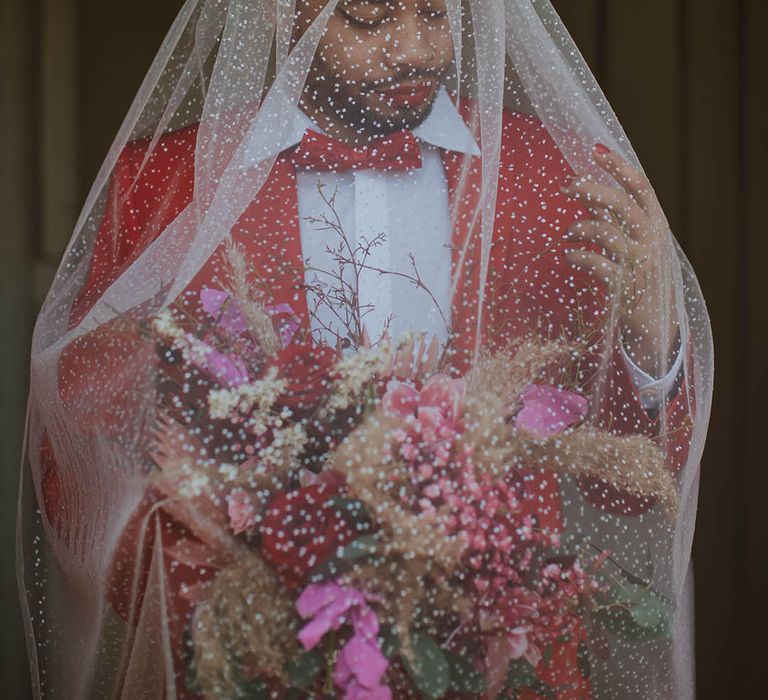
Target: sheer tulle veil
{"x": 199, "y": 142}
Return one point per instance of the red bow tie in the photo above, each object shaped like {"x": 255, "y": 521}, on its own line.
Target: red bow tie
{"x": 399, "y": 151}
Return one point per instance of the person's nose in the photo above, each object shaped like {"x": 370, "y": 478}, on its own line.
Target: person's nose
{"x": 409, "y": 46}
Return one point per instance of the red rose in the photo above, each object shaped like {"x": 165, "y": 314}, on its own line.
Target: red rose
{"x": 309, "y": 371}
{"x": 300, "y": 529}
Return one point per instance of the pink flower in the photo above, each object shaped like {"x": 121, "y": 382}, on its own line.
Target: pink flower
{"x": 226, "y": 368}
{"x": 287, "y": 322}
{"x": 359, "y": 668}
{"x": 434, "y": 415}
{"x": 224, "y": 308}
{"x": 548, "y": 410}
{"x": 360, "y": 664}
{"x": 241, "y": 512}
{"x": 328, "y": 604}
{"x": 440, "y": 399}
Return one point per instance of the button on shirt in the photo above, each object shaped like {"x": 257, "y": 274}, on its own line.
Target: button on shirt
{"x": 397, "y": 222}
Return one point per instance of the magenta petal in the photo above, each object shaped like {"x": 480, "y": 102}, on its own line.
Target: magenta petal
{"x": 365, "y": 660}
{"x": 287, "y": 326}
{"x": 330, "y": 617}
{"x": 358, "y": 692}
{"x": 231, "y": 320}
{"x": 317, "y": 596}
{"x": 226, "y": 369}
{"x": 548, "y": 410}
{"x": 365, "y": 622}
{"x": 342, "y": 671}
{"x": 328, "y": 603}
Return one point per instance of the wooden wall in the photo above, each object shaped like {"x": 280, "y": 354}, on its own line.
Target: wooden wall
{"x": 688, "y": 81}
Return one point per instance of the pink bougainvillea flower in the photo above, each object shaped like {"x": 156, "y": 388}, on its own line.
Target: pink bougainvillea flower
{"x": 327, "y": 604}
{"x": 226, "y": 368}
{"x": 287, "y": 321}
{"x": 241, "y": 512}
{"x": 224, "y": 308}
{"x": 361, "y": 664}
{"x": 548, "y": 410}
{"x": 359, "y": 668}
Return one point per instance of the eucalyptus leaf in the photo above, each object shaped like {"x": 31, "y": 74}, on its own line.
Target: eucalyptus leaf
{"x": 350, "y": 509}
{"x": 620, "y": 623}
{"x": 328, "y": 569}
{"x": 649, "y": 612}
{"x": 430, "y": 672}
{"x": 361, "y": 547}
{"x": 465, "y": 678}
{"x": 255, "y": 690}
{"x": 388, "y": 641}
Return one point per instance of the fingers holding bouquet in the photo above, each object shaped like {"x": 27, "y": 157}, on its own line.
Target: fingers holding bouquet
{"x": 635, "y": 256}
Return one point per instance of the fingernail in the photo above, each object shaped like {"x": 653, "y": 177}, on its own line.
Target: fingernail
{"x": 602, "y": 149}
{"x": 567, "y": 182}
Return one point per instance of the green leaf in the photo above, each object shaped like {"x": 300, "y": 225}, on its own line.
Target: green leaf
{"x": 520, "y": 674}
{"x": 361, "y": 547}
{"x": 619, "y": 622}
{"x": 305, "y": 668}
{"x": 630, "y": 593}
{"x": 350, "y": 509}
{"x": 430, "y": 672}
{"x": 649, "y": 612}
{"x": 388, "y": 641}
{"x": 255, "y": 690}
{"x": 465, "y": 678}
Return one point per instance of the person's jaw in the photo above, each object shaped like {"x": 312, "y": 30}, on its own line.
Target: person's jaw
{"x": 372, "y": 110}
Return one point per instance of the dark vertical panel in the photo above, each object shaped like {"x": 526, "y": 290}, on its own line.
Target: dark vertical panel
{"x": 643, "y": 84}
{"x": 119, "y": 41}
{"x": 754, "y": 320}
{"x": 581, "y": 19}
{"x": 716, "y": 248}
{"x": 18, "y": 224}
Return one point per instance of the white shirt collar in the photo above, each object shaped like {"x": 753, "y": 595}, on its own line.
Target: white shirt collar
{"x": 444, "y": 128}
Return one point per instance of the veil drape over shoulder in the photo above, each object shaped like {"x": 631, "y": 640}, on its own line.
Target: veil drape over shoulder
{"x": 372, "y": 370}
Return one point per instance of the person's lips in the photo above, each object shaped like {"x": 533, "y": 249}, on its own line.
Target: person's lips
{"x": 407, "y": 94}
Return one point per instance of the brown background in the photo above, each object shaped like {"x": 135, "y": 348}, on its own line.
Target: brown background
{"x": 688, "y": 81}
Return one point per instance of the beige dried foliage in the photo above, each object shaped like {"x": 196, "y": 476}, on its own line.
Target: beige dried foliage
{"x": 375, "y": 476}
{"x": 505, "y": 374}
{"x": 631, "y": 463}
{"x": 259, "y": 322}
{"x": 246, "y": 622}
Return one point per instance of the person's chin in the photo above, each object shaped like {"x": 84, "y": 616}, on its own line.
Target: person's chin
{"x": 406, "y": 117}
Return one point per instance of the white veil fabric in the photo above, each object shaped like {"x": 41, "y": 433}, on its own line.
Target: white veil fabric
{"x": 371, "y": 370}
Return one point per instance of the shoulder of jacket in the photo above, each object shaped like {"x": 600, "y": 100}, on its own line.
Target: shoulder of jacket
{"x": 170, "y": 149}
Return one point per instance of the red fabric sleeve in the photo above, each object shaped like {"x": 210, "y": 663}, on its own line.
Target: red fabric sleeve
{"x": 94, "y": 370}
{"x": 536, "y": 212}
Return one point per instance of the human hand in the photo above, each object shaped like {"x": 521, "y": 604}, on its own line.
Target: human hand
{"x": 629, "y": 226}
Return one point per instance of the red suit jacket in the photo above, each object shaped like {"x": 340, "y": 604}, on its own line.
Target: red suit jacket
{"x": 528, "y": 282}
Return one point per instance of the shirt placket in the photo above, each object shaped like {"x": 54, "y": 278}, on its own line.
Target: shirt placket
{"x": 374, "y": 249}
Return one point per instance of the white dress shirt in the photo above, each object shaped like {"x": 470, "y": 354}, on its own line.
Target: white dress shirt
{"x": 404, "y": 212}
